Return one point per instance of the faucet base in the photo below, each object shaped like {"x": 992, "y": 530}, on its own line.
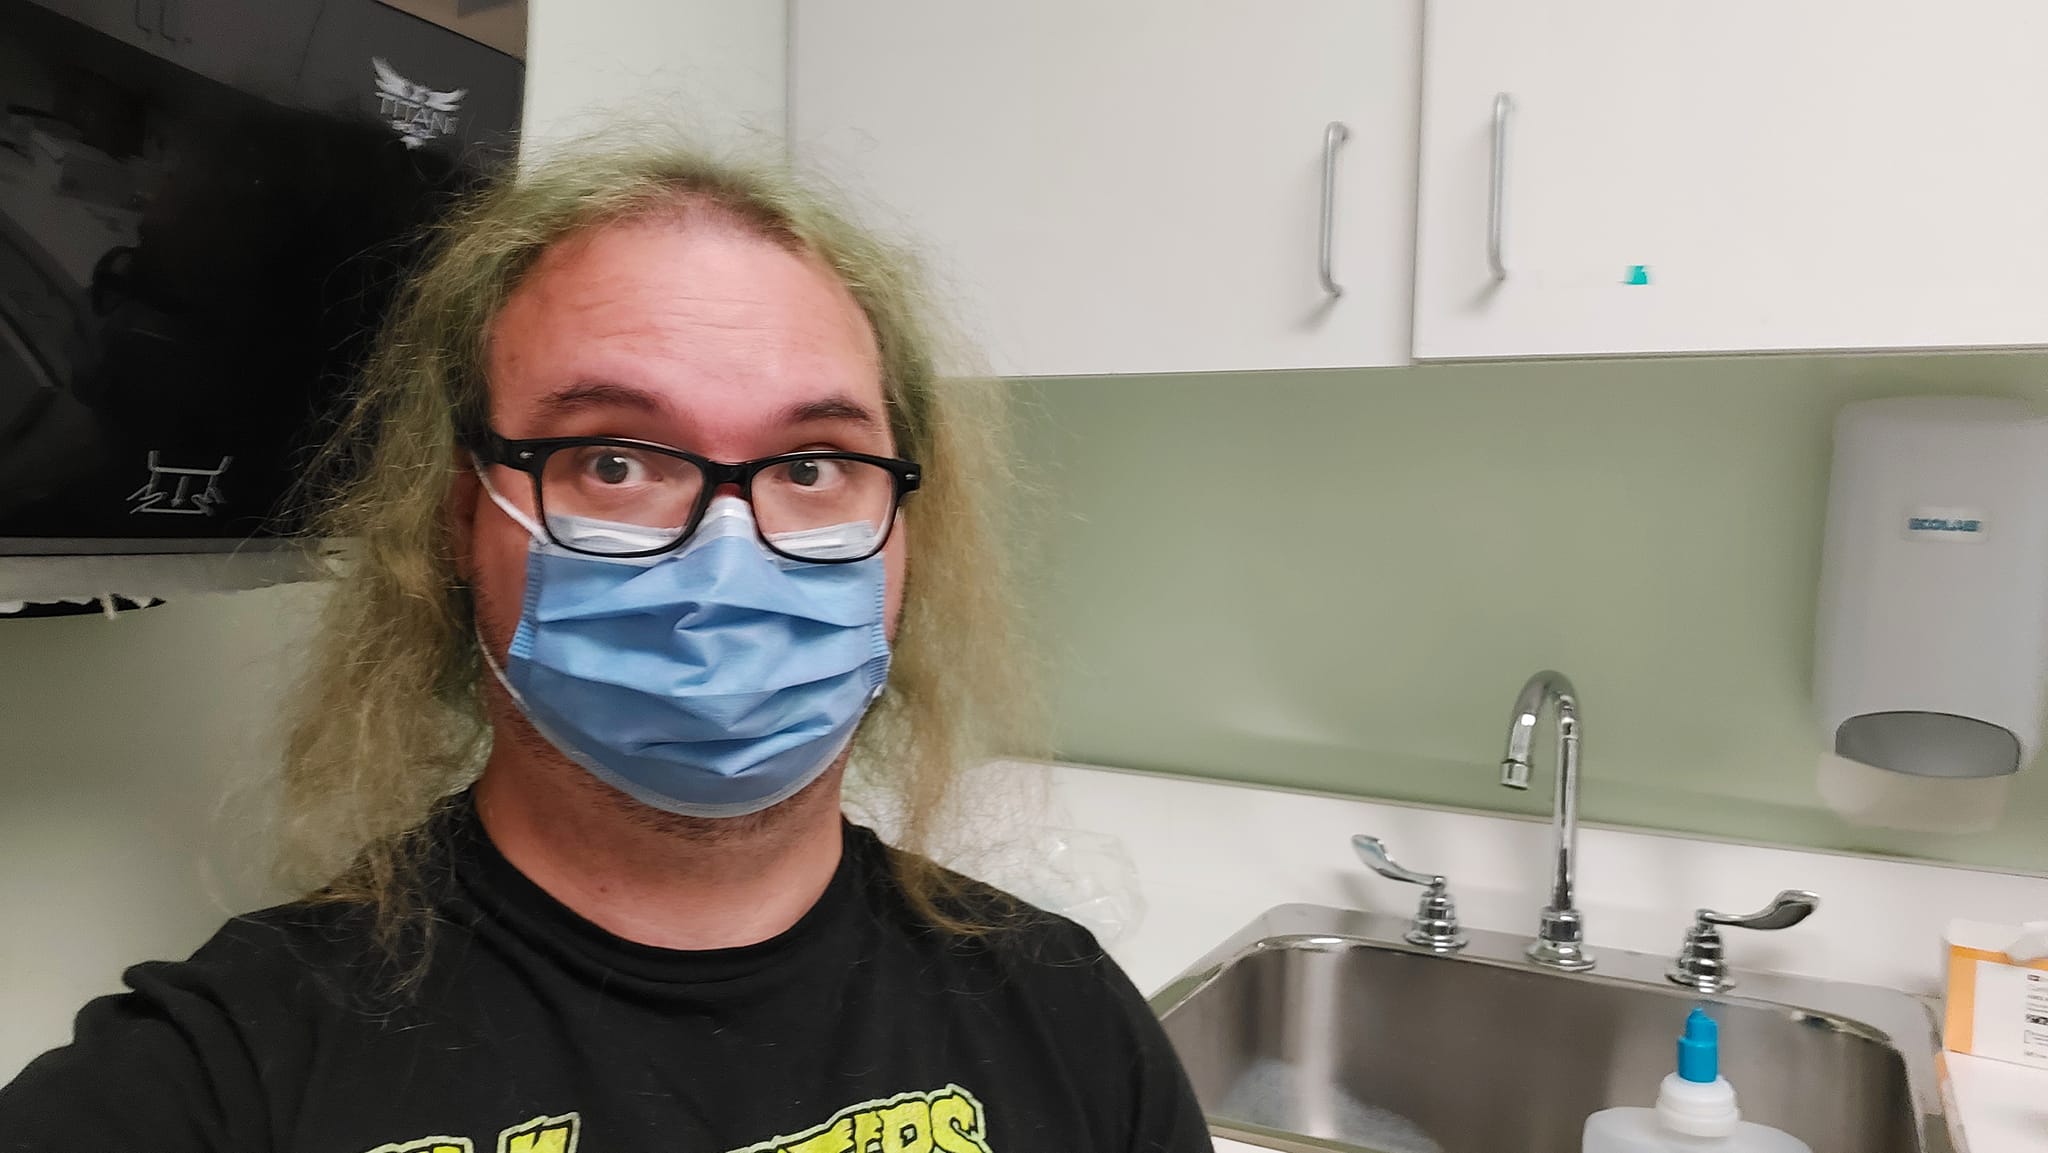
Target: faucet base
{"x": 1560, "y": 942}
{"x": 1568, "y": 956}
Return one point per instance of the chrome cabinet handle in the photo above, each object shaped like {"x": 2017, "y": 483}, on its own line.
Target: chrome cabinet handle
{"x": 1333, "y": 135}
{"x": 1436, "y": 918}
{"x": 1496, "y": 201}
{"x": 1702, "y": 964}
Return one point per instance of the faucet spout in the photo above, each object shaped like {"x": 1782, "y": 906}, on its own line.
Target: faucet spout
{"x": 1560, "y": 937}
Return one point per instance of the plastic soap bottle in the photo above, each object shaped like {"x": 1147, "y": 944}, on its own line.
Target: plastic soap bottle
{"x": 1695, "y": 1109}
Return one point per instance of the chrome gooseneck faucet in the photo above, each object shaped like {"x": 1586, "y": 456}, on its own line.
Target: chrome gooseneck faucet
{"x": 1560, "y": 938}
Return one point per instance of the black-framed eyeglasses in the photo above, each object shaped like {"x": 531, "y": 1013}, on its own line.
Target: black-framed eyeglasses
{"x": 613, "y": 497}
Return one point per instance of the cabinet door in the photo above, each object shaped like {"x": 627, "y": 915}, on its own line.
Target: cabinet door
{"x": 1744, "y": 175}
{"x": 1132, "y": 186}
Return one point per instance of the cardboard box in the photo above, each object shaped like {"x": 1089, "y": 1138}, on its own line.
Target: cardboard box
{"x": 1997, "y": 1007}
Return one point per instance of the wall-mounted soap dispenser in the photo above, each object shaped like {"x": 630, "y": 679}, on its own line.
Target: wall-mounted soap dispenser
{"x": 1932, "y": 651}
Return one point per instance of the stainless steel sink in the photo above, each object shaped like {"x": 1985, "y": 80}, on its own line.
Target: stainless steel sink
{"x": 1321, "y": 1029}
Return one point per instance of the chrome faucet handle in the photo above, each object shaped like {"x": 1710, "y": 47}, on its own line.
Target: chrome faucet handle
{"x": 1702, "y": 964}
{"x": 1785, "y": 910}
{"x": 1436, "y": 918}
{"x": 1373, "y": 852}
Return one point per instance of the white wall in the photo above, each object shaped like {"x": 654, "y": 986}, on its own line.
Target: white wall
{"x": 121, "y": 742}
{"x": 119, "y": 739}
{"x": 716, "y": 69}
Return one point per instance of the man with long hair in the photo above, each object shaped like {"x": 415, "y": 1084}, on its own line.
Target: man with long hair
{"x": 657, "y": 514}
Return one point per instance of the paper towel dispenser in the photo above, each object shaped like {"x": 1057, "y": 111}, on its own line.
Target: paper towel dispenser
{"x": 204, "y": 209}
{"x": 1932, "y": 648}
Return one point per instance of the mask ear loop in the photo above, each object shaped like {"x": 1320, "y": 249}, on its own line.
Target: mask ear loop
{"x": 518, "y": 515}
{"x": 490, "y": 662}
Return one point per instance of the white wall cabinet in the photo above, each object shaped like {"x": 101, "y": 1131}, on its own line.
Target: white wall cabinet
{"x": 1134, "y": 186}
{"x": 1811, "y": 174}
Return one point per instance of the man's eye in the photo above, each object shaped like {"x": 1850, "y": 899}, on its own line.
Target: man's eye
{"x": 813, "y": 473}
{"x": 612, "y": 467}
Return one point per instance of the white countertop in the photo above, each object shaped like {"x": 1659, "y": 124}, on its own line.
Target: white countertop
{"x": 1997, "y": 1106}
{"x": 1210, "y": 856}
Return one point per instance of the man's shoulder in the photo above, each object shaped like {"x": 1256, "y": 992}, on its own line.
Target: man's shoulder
{"x": 975, "y": 917}
{"x": 1025, "y": 933}
{"x": 289, "y": 955}
{"x": 306, "y": 930}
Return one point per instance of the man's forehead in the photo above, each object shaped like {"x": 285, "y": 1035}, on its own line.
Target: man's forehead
{"x": 668, "y": 289}
{"x": 714, "y": 274}
{"x": 661, "y": 304}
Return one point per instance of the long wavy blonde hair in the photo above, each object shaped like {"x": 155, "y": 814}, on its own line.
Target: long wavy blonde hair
{"x": 390, "y": 721}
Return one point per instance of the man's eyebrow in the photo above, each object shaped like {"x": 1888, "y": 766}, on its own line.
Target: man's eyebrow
{"x": 831, "y": 408}
{"x": 588, "y": 394}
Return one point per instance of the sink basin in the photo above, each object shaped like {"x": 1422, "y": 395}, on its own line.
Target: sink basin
{"x": 1320, "y": 1029}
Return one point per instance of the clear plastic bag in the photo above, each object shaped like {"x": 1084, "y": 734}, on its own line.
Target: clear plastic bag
{"x": 1088, "y": 877}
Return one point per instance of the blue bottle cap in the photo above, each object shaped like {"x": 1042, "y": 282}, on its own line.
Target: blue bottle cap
{"x": 1699, "y": 1049}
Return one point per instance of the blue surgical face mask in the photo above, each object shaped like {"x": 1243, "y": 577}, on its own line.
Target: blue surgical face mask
{"x": 714, "y": 681}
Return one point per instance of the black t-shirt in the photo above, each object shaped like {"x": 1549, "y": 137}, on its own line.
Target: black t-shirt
{"x": 534, "y": 1031}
